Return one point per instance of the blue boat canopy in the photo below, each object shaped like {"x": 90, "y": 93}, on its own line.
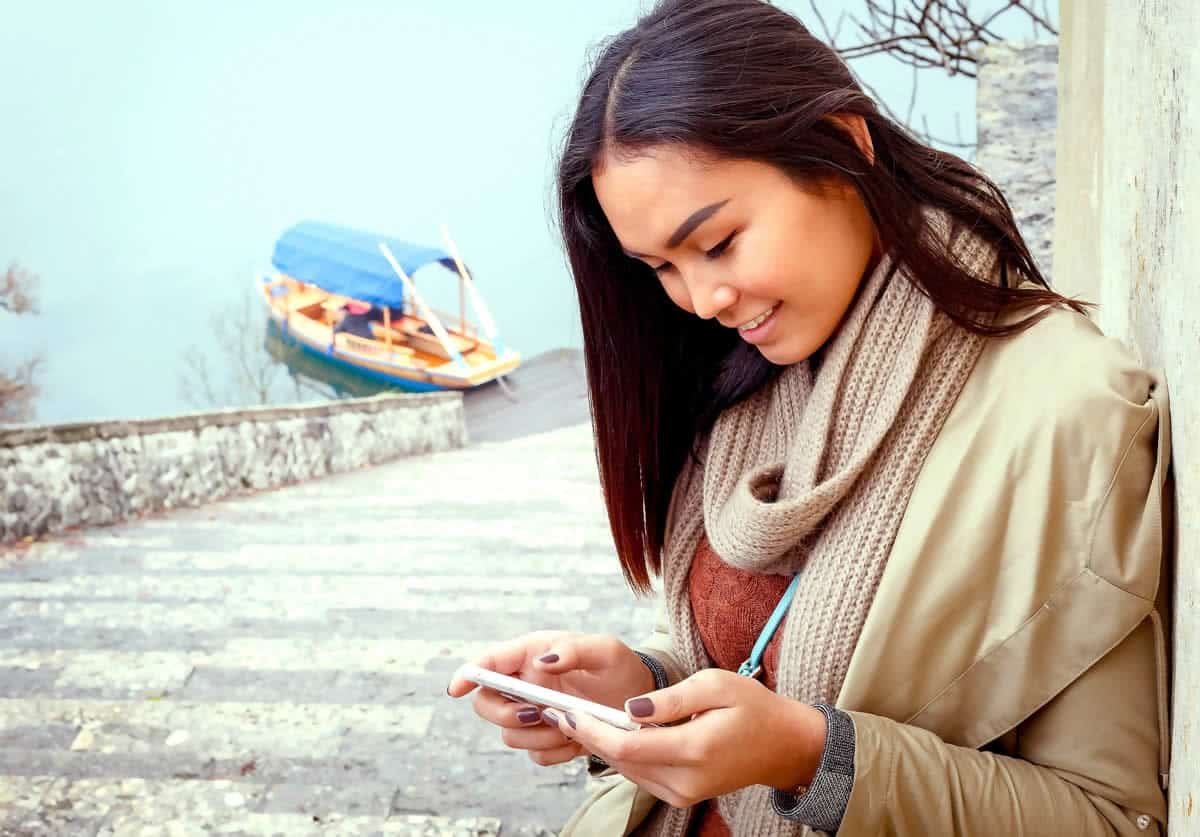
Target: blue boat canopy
{"x": 347, "y": 262}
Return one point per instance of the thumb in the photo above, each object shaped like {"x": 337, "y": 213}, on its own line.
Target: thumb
{"x": 699, "y": 693}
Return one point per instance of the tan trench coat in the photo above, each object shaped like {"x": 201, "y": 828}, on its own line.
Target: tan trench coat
{"x": 1011, "y": 676}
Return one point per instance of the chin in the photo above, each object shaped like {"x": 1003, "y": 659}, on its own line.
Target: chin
{"x": 787, "y": 355}
{"x": 778, "y": 356}
{"x": 784, "y": 355}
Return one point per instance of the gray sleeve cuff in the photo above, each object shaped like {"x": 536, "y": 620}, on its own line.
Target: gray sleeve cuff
{"x": 656, "y": 668}
{"x": 824, "y": 804}
{"x": 598, "y": 766}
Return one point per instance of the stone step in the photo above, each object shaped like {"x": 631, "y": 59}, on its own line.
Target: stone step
{"x": 39, "y": 805}
{"x": 364, "y": 559}
{"x": 276, "y": 663}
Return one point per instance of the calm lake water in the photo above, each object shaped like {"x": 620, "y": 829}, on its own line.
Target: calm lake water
{"x": 153, "y": 152}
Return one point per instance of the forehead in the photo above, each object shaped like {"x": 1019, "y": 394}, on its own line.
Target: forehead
{"x": 646, "y": 197}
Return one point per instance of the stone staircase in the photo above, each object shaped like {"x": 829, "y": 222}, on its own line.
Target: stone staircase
{"x": 277, "y": 664}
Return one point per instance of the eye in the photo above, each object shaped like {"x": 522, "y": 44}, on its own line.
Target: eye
{"x": 716, "y": 252}
{"x": 663, "y": 268}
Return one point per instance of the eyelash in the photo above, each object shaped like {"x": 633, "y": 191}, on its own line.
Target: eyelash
{"x": 715, "y": 253}
{"x": 719, "y": 250}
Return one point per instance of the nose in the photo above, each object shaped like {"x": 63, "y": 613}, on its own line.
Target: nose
{"x": 710, "y": 296}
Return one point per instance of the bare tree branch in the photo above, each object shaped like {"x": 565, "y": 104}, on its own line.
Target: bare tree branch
{"x": 912, "y": 98}
{"x": 326, "y": 392}
{"x": 932, "y": 33}
{"x": 945, "y": 35}
{"x": 926, "y": 135}
{"x": 195, "y": 385}
{"x": 18, "y": 291}
{"x": 986, "y": 22}
{"x": 18, "y": 386}
{"x": 830, "y": 37}
{"x": 233, "y": 368}
{"x": 1041, "y": 20}
{"x": 19, "y": 391}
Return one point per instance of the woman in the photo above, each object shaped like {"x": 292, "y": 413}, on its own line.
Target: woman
{"x": 839, "y": 411}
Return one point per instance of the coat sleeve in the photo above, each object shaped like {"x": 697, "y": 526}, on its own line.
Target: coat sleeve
{"x": 1072, "y": 772}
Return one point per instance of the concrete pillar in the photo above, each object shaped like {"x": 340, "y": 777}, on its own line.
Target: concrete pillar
{"x": 1128, "y": 237}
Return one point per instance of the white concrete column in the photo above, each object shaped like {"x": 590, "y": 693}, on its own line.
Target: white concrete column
{"x": 1128, "y": 237}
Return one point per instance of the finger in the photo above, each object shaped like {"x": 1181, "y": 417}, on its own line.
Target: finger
{"x": 659, "y": 790}
{"x": 701, "y": 692}
{"x": 506, "y": 658}
{"x": 540, "y": 737}
{"x": 647, "y": 746}
{"x": 499, "y": 710}
{"x": 578, "y": 653}
{"x": 558, "y": 755}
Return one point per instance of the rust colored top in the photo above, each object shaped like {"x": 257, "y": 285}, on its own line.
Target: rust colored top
{"x": 730, "y": 607}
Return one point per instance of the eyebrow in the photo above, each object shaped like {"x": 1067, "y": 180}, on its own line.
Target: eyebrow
{"x": 685, "y": 229}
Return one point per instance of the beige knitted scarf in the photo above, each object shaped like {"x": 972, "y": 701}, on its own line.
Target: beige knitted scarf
{"x": 812, "y": 474}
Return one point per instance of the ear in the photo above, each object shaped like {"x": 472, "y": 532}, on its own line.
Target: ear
{"x": 856, "y": 127}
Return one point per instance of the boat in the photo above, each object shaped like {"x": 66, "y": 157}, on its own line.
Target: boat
{"x": 315, "y": 374}
{"x": 348, "y": 296}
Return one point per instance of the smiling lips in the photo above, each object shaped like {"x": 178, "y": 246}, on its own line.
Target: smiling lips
{"x": 759, "y": 320}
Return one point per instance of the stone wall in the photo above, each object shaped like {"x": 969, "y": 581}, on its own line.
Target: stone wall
{"x": 53, "y": 478}
{"x": 1015, "y": 112}
{"x": 1128, "y": 191}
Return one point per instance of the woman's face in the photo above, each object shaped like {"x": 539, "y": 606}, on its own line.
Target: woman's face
{"x": 739, "y": 241}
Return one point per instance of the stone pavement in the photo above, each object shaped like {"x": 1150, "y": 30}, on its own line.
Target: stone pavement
{"x": 277, "y": 664}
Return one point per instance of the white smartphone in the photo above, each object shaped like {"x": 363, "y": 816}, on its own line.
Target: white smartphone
{"x": 528, "y": 692}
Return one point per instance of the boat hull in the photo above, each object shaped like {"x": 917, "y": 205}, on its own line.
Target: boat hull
{"x": 391, "y": 363}
{"x": 383, "y": 379}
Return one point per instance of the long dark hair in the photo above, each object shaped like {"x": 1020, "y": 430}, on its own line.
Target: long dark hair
{"x": 741, "y": 79}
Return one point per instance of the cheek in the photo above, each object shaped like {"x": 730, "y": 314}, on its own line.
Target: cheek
{"x": 767, "y": 274}
{"x": 819, "y": 304}
{"x": 812, "y": 275}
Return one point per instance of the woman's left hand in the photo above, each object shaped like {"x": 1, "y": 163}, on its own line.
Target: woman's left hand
{"x": 740, "y": 734}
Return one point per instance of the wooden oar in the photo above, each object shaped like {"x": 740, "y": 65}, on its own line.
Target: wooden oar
{"x": 485, "y": 316}
{"x": 489, "y": 325}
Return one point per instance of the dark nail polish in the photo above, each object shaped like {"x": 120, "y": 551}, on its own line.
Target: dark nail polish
{"x": 550, "y": 717}
{"x": 549, "y": 658}
{"x": 640, "y": 707}
{"x": 570, "y": 720}
{"x": 529, "y": 715}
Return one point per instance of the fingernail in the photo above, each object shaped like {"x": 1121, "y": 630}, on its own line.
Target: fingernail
{"x": 529, "y": 715}
{"x": 640, "y": 707}
{"x": 550, "y": 717}
{"x": 548, "y": 658}
{"x": 571, "y": 720}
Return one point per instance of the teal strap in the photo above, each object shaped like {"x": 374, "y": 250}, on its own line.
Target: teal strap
{"x": 753, "y": 665}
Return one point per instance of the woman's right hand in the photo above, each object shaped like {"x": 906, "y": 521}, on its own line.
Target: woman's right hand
{"x": 595, "y": 667}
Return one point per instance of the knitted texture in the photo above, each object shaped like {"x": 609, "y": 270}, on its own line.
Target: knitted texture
{"x": 730, "y": 607}
{"x": 812, "y": 474}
